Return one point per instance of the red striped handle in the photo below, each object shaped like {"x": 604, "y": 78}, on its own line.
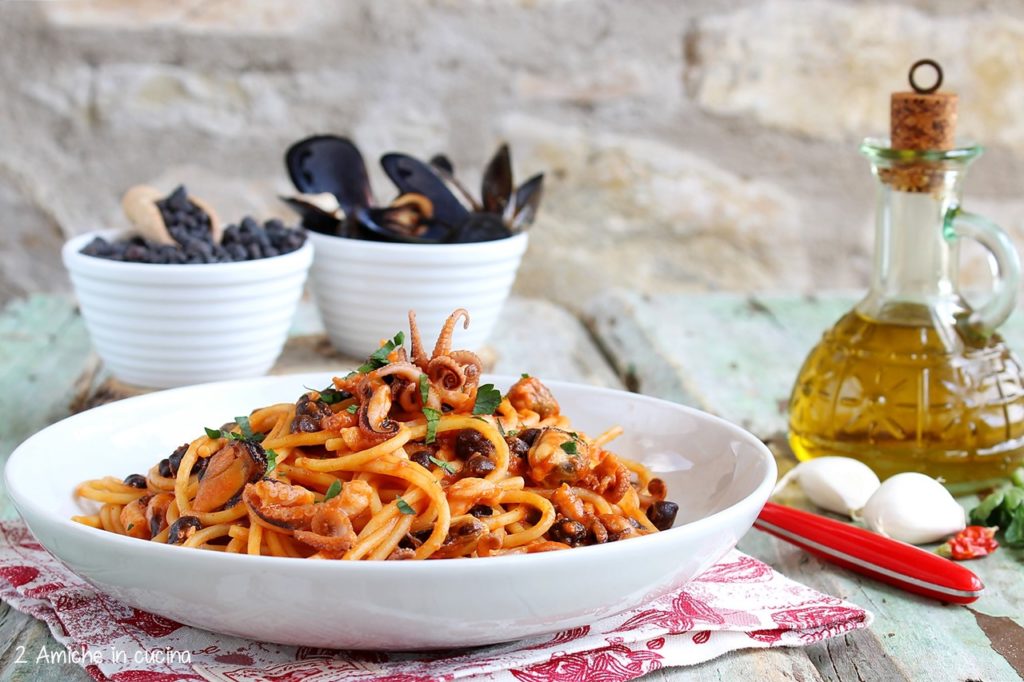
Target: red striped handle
{"x": 871, "y": 554}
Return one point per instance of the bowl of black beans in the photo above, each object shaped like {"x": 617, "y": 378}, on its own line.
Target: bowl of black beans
{"x": 181, "y": 299}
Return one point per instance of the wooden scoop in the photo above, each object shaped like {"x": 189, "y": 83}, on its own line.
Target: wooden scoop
{"x": 139, "y": 205}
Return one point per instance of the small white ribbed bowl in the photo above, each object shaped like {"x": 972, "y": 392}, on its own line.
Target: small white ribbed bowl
{"x": 365, "y": 290}
{"x": 162, "y": 326}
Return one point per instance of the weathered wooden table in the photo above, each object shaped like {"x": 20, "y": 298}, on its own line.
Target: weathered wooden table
{"x": 732, "y": 355}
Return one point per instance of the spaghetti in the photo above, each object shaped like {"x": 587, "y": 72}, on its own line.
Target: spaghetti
{"x": 408, "y": 457}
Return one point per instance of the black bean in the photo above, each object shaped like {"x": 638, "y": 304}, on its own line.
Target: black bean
{"x": 479, "y": 466}
{"x": 421, "y": 457}
{"x": 529, "y": 435}
{"x": 174, "y": 461}
{"x": 135, "y": 481}
{"x": 182, "y": 529}
{"x": 572, "y": 533}
{"x": 178, "y": 199}
{"x": 481, "y": 510}
{"x": 517, "y": 447}
{"x": 470, "y": 442}
{"x": 305, "y": 424}
{"x": 165, "y": 468}
{"x": 663, "y": 514}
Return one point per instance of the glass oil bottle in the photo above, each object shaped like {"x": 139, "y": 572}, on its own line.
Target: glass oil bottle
{"x": 914, "y": 378}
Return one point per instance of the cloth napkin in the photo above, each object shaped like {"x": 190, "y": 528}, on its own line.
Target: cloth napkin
{"x": 738, "y": 603}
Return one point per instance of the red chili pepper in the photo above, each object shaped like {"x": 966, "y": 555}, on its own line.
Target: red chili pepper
{"x": 970, "y": 543}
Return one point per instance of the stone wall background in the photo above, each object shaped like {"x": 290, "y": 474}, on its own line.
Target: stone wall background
{"x": 705, "y": 145}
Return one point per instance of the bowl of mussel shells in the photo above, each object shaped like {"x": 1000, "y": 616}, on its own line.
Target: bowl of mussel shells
{"x": 183, "y": 299}
{"x": 435, "y": 247}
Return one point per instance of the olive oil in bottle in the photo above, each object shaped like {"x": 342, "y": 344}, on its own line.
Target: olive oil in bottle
{"x": 914, "y": 378}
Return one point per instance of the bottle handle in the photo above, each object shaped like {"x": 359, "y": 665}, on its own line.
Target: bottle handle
{"x": 1004, "y": 264}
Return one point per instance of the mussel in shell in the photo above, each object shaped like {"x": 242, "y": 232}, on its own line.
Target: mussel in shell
{"x": 432, "y": 206}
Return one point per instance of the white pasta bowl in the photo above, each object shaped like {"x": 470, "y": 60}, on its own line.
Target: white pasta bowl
{"x": 162, "y": 326}
{"x": 719, "y": 474}
{"x": 364, "y": 290}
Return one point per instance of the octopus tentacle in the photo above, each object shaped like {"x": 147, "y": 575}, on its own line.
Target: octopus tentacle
{"x": 444, "y": 341}
{"x": 375, "y": 403}
{"x": 419, "y": 357}
{"x": 405, "y": 370}
{"x": 447, "y": 373}
{"x": 472, "y": 366}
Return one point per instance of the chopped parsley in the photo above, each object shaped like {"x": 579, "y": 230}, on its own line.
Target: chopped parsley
{"x": 271, "y": 461}
{"x": 524, "y": 375}
{"x": 379, "y": 357}
{"x": 333, "y": 491}
{"x": 501, "y": 429}
{"x": 424, "y": 388}
{"x": 570, "y": 447}
{"x": 447, "y": 466}
{"x": 433, "y": 417}
{"x": 404, "y": 506}
{"x": 129, "y": 526}
{"x": 352, "y": 409}
{"x": 330, "y": 395}
{"x": 487, "y": 399}
{"x": 244, "y": 426}
{"x": 246, "y": 434}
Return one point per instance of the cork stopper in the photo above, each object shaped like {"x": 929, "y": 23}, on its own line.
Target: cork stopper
{"x": 923, "y": 119}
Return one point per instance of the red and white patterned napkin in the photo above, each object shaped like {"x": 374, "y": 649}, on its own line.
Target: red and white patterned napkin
{"x": 739, "y": 603}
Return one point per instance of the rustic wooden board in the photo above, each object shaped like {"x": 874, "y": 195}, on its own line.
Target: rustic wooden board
{"x": 737, "y": 356}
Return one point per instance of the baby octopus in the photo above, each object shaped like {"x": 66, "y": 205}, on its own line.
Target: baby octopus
{"x": 324, "y": 526}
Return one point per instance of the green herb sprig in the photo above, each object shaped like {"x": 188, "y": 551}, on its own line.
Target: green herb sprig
{"x": 447, "y": 466}
{"x": 330, "y": 395}
{"x": 379, "y": 357}
{"x": 433, "y": 417}
{"x": 1004, "y": 508}
{"x": 487, "y": 399}
{"x": 404, "y": 506}
{"x": 333, "y": 491}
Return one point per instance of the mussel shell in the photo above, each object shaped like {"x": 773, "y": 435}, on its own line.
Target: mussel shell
{"x": 373, "y": 220}
{"x": 313, "y": 218}
{"x": 328, "y": 163}
{"x": 496, "y": 188}
{"x": 413, "y": 176}
{"x": 481, "y": 227}
{"x": 442, "y": 164}
{"x": 527, "y": 202}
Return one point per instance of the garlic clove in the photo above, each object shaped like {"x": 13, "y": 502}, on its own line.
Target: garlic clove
{"x": 837, "y": 484}
{"x": 914, "y": 508}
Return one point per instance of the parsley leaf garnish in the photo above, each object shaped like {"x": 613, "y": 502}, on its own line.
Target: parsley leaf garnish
{"x": 447, "y": 466}
{"x": 570, "y": 447}
{"x": 330, "y": 395}
{"x": 246, "y": 434}
{"x": 403, "y": 506}
{"x": 333, "y": 491}
{"x": 487, "y": 399}
{"x": 379, "y": 357}
{"x": 433, "y": 417}
{"x": 424, "y": 388}
{"x": 244, "y": 426}
{"x": 352, "y": 409}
